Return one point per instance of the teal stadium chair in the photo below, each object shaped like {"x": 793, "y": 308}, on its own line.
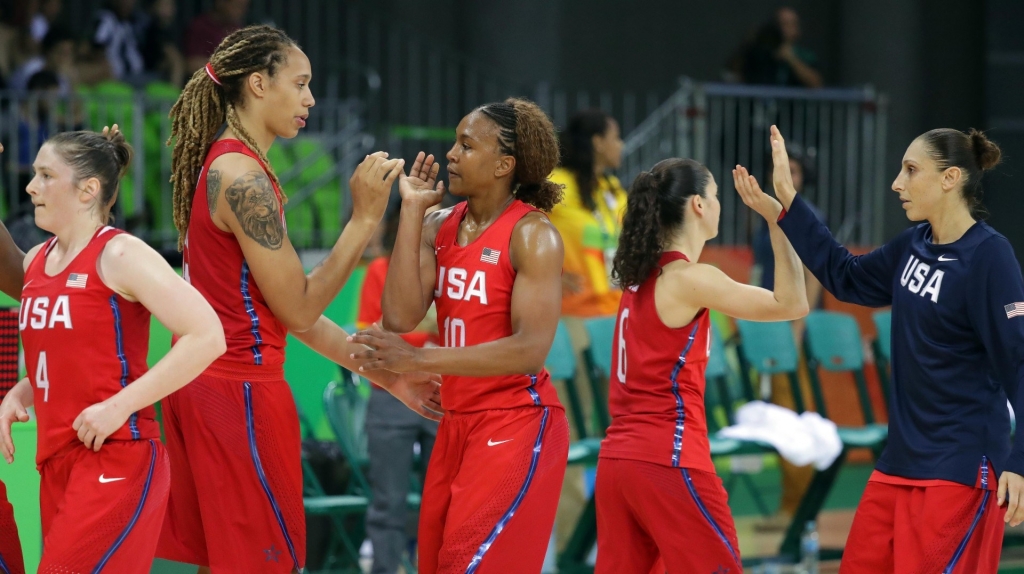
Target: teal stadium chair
{"x": 769, "y": 349}
{"x": 345, "y": 403}
{"x": 339, "y": 509}
{"x": 883, "y": 348}
{"x": 598, "y": 359}
{"x": 832, "y": 342}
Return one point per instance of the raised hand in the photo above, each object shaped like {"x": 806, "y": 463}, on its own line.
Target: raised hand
{"x": 421, "y": 185}
{"x": 750, "y": 192}
{"x": 782, "y": 176}
{"x": 370, "y": 185}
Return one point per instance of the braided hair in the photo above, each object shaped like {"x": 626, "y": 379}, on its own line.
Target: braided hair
{"x": 211, "y": 98}
{"x": 526, "y": 133}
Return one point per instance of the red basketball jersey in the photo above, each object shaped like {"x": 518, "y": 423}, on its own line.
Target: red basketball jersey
{"x": 474, "y": 306}
{"x": 83, "y": 344}
{"x": 215, "y": 266}
{"x": 656, "y": 393}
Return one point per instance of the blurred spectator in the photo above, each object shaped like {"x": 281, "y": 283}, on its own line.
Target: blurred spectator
{"x": 9, "y": 44}
{"x": 589, "y": 218}
{"x": 163, "y": 59}
{"x": 57, "y": 57}
{"x": 117, "y": 36}
{"x": 47, "y": 13}
{"x": 392, "y": 429}
{"x": 773, "y": 57}
{"x": 206, "y": 31}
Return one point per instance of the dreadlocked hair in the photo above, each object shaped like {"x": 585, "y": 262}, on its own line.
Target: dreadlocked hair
{"x": 527, "y": 134}
{"x": 204, "y": 106}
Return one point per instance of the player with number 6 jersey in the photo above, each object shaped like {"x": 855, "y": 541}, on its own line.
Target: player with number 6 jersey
{"x": 657, "y": 493}
{"x": 84, "y": 320}
{"x": 493, "y": 266}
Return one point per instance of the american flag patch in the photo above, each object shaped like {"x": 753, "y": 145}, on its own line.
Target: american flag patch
{"x": 1014, "y": 309}
{"x": 77, "y": 280}
{"x": 489, "y": 255}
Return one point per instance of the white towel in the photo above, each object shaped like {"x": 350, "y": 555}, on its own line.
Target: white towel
{"x": 801, "y": 439}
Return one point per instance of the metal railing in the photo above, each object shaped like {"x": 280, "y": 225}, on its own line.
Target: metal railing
{"x": 144, "y": 203}
{"x": 841, "y": 131}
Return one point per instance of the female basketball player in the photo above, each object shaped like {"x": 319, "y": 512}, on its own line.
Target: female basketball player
{"x": 233, "y": 440}
{"x": 493, "y": 266}
{"x": 655, "y": 477}
{"x": 12, "y": 273}
{"x": 85, "y": 314}
{"x": 958, "y": 352}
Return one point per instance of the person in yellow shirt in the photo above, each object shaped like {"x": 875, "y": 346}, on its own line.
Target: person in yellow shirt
{"x": 590, "y": 215}
{"x": 589, "y": 218}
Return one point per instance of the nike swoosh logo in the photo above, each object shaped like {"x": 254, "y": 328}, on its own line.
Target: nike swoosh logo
{"x": 492, "y": 443}
{"x": 104, "y": 480}
{"x": 944, "y": 258}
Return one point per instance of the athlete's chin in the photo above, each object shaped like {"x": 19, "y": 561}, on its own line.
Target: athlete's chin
{"x": 455, "y": 187}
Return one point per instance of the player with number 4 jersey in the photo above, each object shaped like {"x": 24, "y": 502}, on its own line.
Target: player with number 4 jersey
{"x": 493, "y": 266}
{"x": 84, "y": 321}
{"x": 657, "y": 493}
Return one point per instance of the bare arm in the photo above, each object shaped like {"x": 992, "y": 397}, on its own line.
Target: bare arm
{"x": 703, "y": 286}
{"x": 412, "y": 271}
{"x": 138, "y": 273}
{"x": 536, "y": 252}
{"x": 244, "y": 202}
{"x": 12, "y": 270}
{"x": 421, "y": 392}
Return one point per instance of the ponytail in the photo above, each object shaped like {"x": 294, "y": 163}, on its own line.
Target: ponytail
{"x": 654, "y": 211}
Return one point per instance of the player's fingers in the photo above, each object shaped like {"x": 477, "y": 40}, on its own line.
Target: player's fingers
{"x": 98, "y": 443}
{"x": 431, "y": 413}
{"x": 1001, "y": 491}
{"x": 78, "y": 422}
{"x": 1018, "y": 516}
{"x": 6, "y": 443}
{"x": 394, "y": 173}
{"x": 417, "y": 165}
{"x": 373, "y": 365}
{"x": 434, "y": 170}
{"x": 366, "y": 355}
{"x": 21, "y": 415}
{"x": 364, "y": 338}
{"x": 384, "y": 168}
{"x": 1013, "y": 498}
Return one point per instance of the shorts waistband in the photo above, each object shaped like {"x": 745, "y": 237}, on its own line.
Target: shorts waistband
{"x": 231, "y": 370}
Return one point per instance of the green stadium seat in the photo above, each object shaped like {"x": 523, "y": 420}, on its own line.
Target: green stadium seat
{"x": 833, "y": 343}
{"x": 883, "y": 348}
{"x": 768, "y": 348}
{"x": 598, "y": 359}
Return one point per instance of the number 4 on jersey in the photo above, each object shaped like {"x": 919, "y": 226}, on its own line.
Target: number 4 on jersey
{"x": 42, "y": 379}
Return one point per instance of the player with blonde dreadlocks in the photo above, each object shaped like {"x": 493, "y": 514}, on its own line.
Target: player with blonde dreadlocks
{"x": 233, "y": 440}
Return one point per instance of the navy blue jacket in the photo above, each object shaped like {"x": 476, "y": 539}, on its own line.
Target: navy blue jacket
{"x": 957, "y": 341}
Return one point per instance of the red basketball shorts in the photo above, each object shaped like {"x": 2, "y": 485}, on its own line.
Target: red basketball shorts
{"x": 646, "y": 511}
{"x": 491, "y": 491}
{"x": 102, "y": 511}
{"x": 952, "y": 529}
{"x": 236, "y": 473}
{"x": 10, "y": 545}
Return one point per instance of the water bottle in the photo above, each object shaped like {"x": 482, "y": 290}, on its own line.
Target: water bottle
{"x": 809, "y": 549}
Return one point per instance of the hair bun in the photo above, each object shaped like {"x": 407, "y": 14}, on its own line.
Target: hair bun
{"x": 986, "y": 152}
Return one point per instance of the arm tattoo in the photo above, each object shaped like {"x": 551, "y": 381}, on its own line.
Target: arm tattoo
{"x": 213, "y": 178}
{"x": 254, "y": 202}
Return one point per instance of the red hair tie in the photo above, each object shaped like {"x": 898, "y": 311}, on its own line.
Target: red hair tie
{"x": 212, "y": 74}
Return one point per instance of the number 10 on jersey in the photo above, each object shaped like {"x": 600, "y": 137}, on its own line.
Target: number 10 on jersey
{"x": 454, "y": 332}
